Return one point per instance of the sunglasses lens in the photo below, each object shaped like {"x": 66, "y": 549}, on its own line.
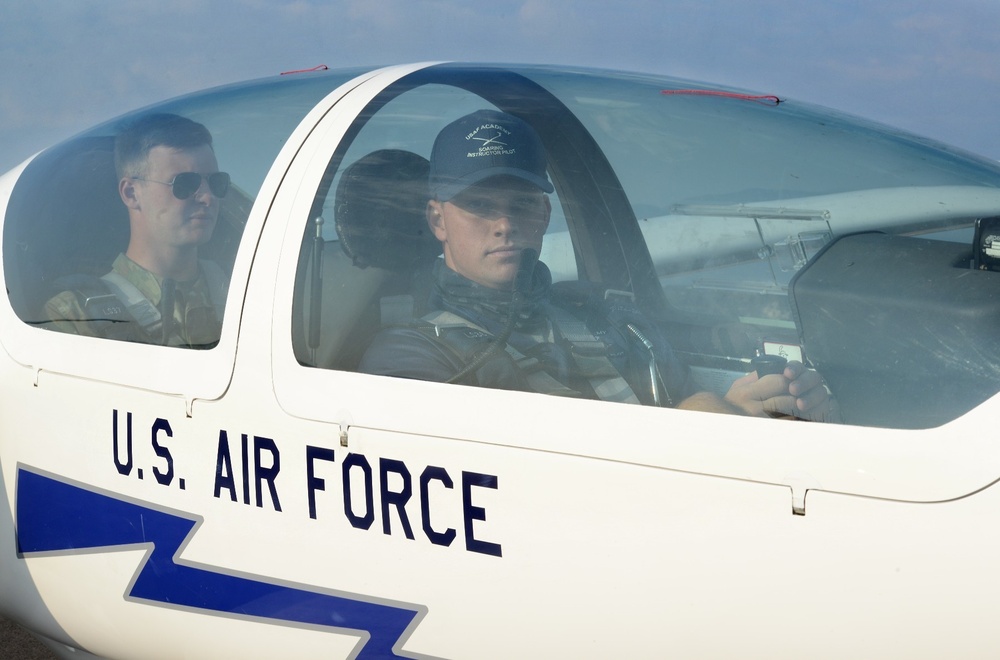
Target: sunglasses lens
{"x": 218, "y": 183}
{"x": 186, "y": 184}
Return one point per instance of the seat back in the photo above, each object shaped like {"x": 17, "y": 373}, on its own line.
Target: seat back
{"x": 65, "y": 217}
{"x": 386, "y": 251}
{"x": 379, "y": 211}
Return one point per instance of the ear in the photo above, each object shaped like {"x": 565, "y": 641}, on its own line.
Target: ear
{"x": 126, "y": 189}
{"x": 435, "y": 219}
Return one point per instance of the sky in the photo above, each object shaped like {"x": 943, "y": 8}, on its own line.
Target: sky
{"x": 928, "y": 66}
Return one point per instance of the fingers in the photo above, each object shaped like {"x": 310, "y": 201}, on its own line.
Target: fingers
{"x": 802, "y": 380}
{"x": 781, "y": 405}
{"x": 810, "y": 399}
{"x": 813, "y": 399}
{"x": 793, "y": 369}
{"x": 805, "y": 395}
{"x": 760, "y": 396}
{"x": 797, "y": 392}
{"x": 772, "y": 386}
{"x": 744, "y": 381}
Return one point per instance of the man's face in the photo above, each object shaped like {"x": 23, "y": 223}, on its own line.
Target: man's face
{"x": 484, "y": 228}
{"x": 165, "y": 220}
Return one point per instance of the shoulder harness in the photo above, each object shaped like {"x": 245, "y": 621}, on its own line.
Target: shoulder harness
{"x": 145, "y": 313}
{"x": 588, "y": 352}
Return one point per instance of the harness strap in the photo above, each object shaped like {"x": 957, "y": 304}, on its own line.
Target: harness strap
{"x": 587, "y": 351}
{"x": 138, "y": 306}
{"x": 590, "y": 354}
{"x": 145, "y": 312}
{"x": 215, "y": 279}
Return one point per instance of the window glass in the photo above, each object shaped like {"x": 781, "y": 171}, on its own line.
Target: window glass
{"x": 410, "y": 122}
{"x": 750, "y": 210}
{"x": 696, "y": 236}
{"x": 67, "y": 228}
{"x": 368, "y": 254}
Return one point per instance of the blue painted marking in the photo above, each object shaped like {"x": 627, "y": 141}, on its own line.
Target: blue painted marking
{"x": 53, "y": 515}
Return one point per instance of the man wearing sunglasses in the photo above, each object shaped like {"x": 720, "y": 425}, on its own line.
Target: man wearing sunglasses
{"x": 158, "y": 290}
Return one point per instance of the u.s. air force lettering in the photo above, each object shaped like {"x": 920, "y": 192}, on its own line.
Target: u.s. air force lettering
{"x": 248, "y": 471}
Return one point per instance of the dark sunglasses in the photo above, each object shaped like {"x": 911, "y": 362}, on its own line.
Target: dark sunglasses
{"x": 186, "y": 184}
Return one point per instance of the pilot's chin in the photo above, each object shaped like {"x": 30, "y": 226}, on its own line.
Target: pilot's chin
{"x": 202, "y": 231}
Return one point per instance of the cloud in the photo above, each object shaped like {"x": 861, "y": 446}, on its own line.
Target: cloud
{"x": 909, "y": 62}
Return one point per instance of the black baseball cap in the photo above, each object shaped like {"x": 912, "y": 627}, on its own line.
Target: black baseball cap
{"x": 485, "y": 144}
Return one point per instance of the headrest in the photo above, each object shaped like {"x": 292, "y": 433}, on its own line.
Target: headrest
{"x": 380, "y": 211}
{"x": 64, "y": 217}
{"x": 66, "y": 209}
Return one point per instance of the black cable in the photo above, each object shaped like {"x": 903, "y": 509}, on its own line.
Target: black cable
{"x": 522, "y": 286}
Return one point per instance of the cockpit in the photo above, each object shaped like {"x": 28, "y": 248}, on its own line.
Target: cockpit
{"x": 742, "y": 225}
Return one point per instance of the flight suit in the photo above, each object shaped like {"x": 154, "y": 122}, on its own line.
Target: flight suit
{"x": 96, "y": 307}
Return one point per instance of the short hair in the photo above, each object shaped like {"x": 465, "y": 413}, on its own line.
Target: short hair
{"x": 135, "y": 141}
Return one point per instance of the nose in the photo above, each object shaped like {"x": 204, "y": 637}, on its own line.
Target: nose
{"x": 503, "y": 226}
{"x": 204, "y": 194}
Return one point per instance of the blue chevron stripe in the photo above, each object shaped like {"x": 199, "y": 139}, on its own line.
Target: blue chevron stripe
{"x": 53, "y": 515}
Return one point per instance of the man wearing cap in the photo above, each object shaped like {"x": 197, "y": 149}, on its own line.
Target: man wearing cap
{"x": 158, "y": 291}
{"x": 496, "y": 321}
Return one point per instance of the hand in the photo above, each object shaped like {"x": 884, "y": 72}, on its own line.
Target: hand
{"x": 796, "y": 392}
